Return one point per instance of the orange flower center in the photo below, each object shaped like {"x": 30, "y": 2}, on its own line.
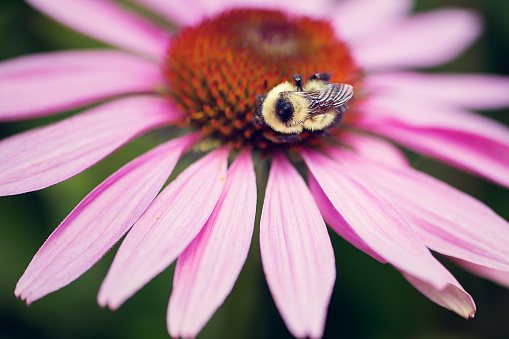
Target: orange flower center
{"x": 216, "y": 70}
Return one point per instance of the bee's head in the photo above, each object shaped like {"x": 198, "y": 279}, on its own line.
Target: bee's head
{"x": 282, "y": 111}
{"x": 284, "y": 108}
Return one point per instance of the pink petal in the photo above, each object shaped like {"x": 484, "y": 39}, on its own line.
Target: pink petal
{"x": 474, "y": 91}
{"x": 375, "y": 221}
{"x": 48, "y": 155}
{"x": 108, "y": 22}
{"x": 38, "y": 85}
{"x": 447, "y": 220}
{"x": 459, "y": 138}
{"x": 296, "y": 252}
{"x": 210, "y": 8}
{"x": 453, "y": 297}
{"x": 355, "y": 20}
{"x": 166, "y": 228}
{"x": 336, "y": 222}
{"x": 499, "y": 277}
{"x": 376, "y": 149}
{"x": 317, "y": 8}
{"x": 207, "y": 270}
{"x": 182, "y": 12}
{"x": 99, "y": 221}
{"x": 423, "y": 40}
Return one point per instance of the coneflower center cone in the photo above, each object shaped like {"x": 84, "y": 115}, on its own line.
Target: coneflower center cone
{"x": 215, "y": 70}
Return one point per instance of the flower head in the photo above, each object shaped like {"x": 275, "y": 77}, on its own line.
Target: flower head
{"x": 208, "y": 78}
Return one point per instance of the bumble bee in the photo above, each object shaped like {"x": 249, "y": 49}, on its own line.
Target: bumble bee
{"x": 316, "y": 106}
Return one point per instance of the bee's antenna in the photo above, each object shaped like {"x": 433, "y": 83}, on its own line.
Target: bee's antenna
{"x": 298, "y": 81}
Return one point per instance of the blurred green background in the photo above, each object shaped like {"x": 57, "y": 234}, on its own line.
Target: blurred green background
{"x": 370, "y": 300}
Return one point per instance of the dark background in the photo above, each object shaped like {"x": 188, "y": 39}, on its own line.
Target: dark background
{"x": 370, "y": 300}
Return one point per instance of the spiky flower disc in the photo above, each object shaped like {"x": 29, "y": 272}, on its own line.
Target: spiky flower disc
{"x": 216, "y": 70}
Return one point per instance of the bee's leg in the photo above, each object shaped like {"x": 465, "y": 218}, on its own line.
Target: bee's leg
{"x": 298, "y": 81}
{"x": 292, "y": 138}
{"x": 283, "y": 139}
{"x": 257, "y": 117}
{"x": 320, "y": 76}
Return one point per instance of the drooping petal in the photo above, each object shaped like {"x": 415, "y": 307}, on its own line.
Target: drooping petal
{"x": 499, "y": 277}
{"x": 355, "y": 20}
{"x": 423, "y": 40}
{"x": 108, "y": 22}
{"x": 48, "y": 155}
{"x": 375, "y": 149}
{"x": 473, "y": 91}
{"x": 296, "y": 252}
{"x": 166, "y": 228}
{"x": 382, "y": 228}
{"x": 451, "y": 297}
{"x": 42, "y": 84}
{"x": 99, "y": 221}
{"x": 181, "y": 12}
{"x": 371, "y": 218}
{"x": 207, "y": 270}
{"x": 456, "y": 137}
{"x": 447, "y": 220}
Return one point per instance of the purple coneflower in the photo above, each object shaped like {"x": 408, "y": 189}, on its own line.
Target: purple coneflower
{"x": 206, "y": 77}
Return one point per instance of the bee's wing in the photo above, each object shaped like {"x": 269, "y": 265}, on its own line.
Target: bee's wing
{"x": 336, "y": 95}
{"x": 310, "y": 96}
{"x": 331, "y": 97}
